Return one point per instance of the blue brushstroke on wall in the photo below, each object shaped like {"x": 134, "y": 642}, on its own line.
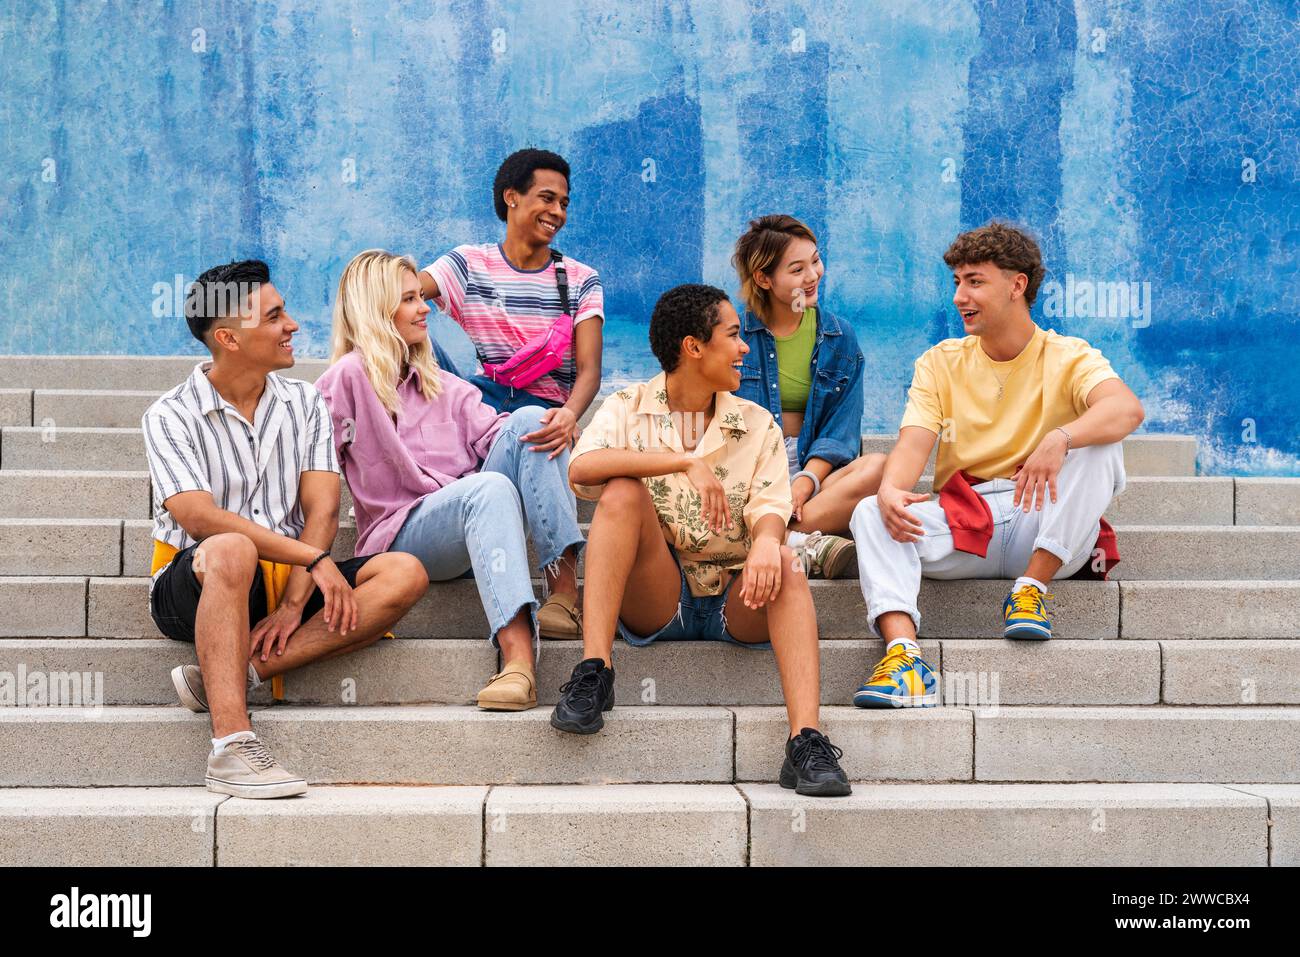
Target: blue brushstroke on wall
{"x": 1144, "y": 143}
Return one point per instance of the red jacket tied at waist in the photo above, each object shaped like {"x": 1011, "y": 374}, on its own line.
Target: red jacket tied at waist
{"x": 971, "y": 523}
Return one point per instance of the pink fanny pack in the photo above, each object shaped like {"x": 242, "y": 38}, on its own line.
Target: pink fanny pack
{"x": 544, "y": 352}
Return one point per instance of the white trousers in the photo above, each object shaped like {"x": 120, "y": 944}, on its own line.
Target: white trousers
{"x": 890, "y": 571}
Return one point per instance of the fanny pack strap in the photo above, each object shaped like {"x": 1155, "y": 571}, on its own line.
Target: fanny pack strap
{"x": 561, "y": 280}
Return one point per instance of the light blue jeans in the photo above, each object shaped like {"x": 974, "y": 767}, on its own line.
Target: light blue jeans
{"x": 481, "y": 522}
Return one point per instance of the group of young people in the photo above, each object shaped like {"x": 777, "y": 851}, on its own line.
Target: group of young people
{"x": 722, "y": 484}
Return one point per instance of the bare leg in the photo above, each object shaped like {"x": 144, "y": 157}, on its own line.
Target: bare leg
{"x": 1043, "y": 565}
{"x": 387, "y": 587}
{"x": 516, "y": 641}
{"x": 896, "y": 624}
{"x": 225, "y": 565}
{"x": 790, "y": 622}
{"x": 625, "y": 514}
{"x": 564, "y": 581}
{"x": 830, "y": 509}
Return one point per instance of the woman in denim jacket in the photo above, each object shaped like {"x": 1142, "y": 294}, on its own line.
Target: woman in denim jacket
{"x": 804, "y": 366}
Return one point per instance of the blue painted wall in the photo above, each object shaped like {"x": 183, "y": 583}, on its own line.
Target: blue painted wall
{"x": 1154, "y": 143}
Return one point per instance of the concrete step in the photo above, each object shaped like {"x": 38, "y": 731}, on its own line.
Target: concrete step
{"x": 998, "y": 825}
{"x": 57, "y": 546}
{"x": 32, "y": 493}
{"x": 1169, "y": 610}
{"x": 47, "y": 606}
{"x": 973, "y": 673}
{"x": 155, "y": 373}
{"x": 663, "y": 824}
{"x": 71, "y": 429}
{"x": 1044, "y": 743}
{"x": 119, "y": 608}
{"x": 1146, "y": 453}
{"x": 415, "y": 744}
{"x": 82, "y": 449}
{"x": 1268, "y": 501}
{"x": 447, "y": 744}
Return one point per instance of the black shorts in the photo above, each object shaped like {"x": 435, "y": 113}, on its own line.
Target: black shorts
{"x": 174, "y": 601}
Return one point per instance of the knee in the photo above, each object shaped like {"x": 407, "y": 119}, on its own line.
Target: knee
{"x": 491, "y": 490}
{"x": 865, "y": 473}
{"x": 229, "y": 558}
{"x": 526, "y": 419}
{"x": 623, "y": 494}
{"x": 409, "y": 577}
{"x": 791, "y": 563}
{"x": 866, "y": 511}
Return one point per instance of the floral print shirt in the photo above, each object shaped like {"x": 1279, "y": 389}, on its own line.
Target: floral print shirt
{"x": 742, "y": 444}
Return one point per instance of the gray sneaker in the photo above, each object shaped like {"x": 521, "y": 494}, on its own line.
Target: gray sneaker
{"x": 188, "y": 681}
{"x": 247, "y": 769}
{"x": 829, "y": 556}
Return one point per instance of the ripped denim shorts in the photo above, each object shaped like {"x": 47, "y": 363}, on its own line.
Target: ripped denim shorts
{"x": 701, "y": 618}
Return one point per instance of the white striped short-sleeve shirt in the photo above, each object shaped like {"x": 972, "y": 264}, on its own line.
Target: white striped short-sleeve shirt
{"x": 197, "y": 441}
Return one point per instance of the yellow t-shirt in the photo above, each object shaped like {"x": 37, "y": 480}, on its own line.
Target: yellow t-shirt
{"x": 955, "y": 394}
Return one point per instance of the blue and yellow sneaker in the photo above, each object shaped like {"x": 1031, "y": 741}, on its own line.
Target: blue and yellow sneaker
{"x": 1025, "y": 612}
{"x": 901, "y": 680}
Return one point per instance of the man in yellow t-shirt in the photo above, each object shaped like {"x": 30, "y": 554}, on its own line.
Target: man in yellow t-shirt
{"x": 1029, "y": 425}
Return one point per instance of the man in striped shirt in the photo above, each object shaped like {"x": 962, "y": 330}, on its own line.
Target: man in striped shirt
{"x": 246, "y": 493}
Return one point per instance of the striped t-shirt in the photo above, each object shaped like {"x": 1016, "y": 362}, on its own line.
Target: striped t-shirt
{"x": 501, "y": 307}
{"x": 197, "y": 441}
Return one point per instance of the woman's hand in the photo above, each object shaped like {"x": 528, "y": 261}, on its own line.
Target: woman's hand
{"x": 713, "y": 500}
{"x": 761, "y": 581}
{"x": 559, "y": 429}
{"x": 800, "y": 491}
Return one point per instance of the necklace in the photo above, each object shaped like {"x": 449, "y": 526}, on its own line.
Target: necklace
{"x": 1002, "y": 382}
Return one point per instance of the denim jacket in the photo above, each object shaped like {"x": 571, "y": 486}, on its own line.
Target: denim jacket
{"x": 832, "y": 424}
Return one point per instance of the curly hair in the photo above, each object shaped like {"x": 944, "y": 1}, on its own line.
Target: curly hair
{"x": 687, "y": 310}
{"x": 1004, "y": 245}
{"x": 516, "y": 172}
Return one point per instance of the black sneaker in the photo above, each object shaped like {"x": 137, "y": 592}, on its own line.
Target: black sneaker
{"x": 812, "y": 766}
{"x": 583, "y": 697}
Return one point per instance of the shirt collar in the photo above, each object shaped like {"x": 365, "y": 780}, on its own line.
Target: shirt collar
{"x": 210, "y": 399}
{"x": 827, "y": 324}
{"x": 726, "y": 411}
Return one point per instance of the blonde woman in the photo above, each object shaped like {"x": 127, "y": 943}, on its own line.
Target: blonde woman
{"x": 435, "y": 472}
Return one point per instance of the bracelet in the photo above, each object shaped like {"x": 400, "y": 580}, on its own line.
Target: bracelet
{"x": 317, "y": 559}
{"x": 1068, "y": 440}
{"x": 817, "y": 485}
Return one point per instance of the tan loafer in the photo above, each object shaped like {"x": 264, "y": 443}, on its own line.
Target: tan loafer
{"x": 514, "y": 689}
{"x": 559, "y": 618}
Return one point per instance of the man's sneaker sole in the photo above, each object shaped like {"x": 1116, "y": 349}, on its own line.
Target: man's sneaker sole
{"x": 878, "y": 699}
{"x": 1027, "y": 631}
{"x": 185, "y": 693}
{"x": 574, "y": 728}
{"x": 279, "y": 789}
{"x": 789, "y": 780}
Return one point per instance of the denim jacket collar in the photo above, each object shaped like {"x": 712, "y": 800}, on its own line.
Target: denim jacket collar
{"x": 827, "y": 324}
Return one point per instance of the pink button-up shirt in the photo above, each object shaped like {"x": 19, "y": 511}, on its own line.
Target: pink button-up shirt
{"x": 390, "y": 467}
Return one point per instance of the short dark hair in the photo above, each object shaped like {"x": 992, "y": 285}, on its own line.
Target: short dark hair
{"x": 219, "y": 292}
{"x": 687, "y": 310}
{"x": 1004, "y": 245}
{"x": 516, "y": 173}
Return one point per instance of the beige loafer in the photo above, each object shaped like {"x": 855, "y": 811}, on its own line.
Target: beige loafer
{"x": 559, "y": 618}
{"x": 514, "y": 689}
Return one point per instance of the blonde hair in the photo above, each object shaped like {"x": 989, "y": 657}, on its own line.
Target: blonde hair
{"x": 760, "y": 250}
{"x": 370, "y": 291}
